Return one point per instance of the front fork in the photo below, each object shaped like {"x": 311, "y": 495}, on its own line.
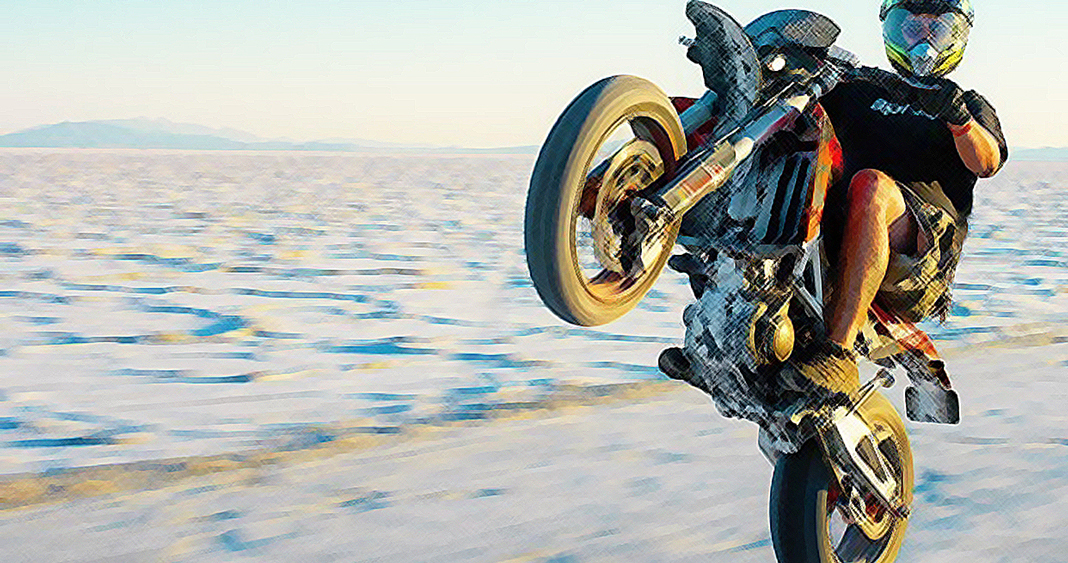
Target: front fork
{"x": 711, "y": 166}
{"x": 707, "y": 170}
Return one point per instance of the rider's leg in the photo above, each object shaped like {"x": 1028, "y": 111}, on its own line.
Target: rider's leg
{"x": 877, "y": 221}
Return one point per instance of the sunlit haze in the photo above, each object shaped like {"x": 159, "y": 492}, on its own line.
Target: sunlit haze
{"x": 477, "y": 73}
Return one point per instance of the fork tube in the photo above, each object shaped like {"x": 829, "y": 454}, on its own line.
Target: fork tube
{"x": 699, "y": 113}
{"x": 709, "y": 171}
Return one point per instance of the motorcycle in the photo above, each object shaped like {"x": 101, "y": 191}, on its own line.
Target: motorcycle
{"x": 738, "y": 180}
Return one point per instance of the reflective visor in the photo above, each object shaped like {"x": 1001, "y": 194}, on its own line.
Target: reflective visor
{"x": 904, "y": 30}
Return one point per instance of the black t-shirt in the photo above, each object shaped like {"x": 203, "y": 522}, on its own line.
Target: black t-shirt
{"x": 878, "y": 131}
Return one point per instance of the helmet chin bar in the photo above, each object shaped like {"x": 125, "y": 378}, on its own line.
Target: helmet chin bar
{"x": 924, "y": 59}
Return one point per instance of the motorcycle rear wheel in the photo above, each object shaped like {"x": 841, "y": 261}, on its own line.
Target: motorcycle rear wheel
{"x": 804, "y": 512}
{"x": 573, "y": 181}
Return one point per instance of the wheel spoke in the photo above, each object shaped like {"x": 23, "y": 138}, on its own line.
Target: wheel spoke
{"x": 609, "y": 284}
{"x": 588, "y": 201}
{"x": 632, "y": 165}
{"x": 855, "y": 546}
{"x": 606, "y": 277}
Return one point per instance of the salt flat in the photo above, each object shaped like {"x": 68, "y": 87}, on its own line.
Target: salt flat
{"x": 160, "y": 305}
{"x": 168, "y": 304}
{"x": 656, "y": 479}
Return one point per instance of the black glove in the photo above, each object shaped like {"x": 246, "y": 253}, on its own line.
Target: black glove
{"x": 939, "y": 98}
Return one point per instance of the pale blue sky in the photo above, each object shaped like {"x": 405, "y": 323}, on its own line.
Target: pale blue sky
{"x": 472, "y": 73}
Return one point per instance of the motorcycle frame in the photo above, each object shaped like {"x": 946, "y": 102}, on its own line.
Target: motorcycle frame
{"x": 709, "y": 166}
{"x": 888, "y": 340}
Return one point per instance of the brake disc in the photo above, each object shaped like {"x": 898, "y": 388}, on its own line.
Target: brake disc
{"x": 633, "y": 167}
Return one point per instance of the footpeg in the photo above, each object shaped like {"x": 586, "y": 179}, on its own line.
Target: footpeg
{"x": 694, "y": 269}
{"x": 929, "y": 402}
{"x": 674, "y": 364}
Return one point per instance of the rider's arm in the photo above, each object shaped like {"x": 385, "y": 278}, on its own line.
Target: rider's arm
{"x": 980, "y": 142}
{"x": 977, "y": 148}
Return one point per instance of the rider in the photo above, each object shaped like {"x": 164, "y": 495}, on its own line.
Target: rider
{"x": 913, "y": 144}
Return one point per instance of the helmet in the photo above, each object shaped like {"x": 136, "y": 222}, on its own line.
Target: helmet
{"x": 926, "y": 38}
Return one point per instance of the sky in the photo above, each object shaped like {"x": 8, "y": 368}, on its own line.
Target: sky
{"x": 473, "y": 73}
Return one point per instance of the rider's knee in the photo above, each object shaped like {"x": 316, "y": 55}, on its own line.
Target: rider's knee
{"x": 872, "y": 190}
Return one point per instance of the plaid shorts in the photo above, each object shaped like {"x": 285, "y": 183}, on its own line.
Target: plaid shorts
{"x": 916, "y": 286}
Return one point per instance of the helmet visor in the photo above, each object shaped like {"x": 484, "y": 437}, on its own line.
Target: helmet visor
{"x": 903, "y": 30}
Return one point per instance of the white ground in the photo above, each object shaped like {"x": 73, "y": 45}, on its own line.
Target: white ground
{"x": 158, "y": 305}
{"x": 658, "y": 480}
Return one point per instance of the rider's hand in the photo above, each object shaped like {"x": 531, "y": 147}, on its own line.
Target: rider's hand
{"x": 939, "y": 98}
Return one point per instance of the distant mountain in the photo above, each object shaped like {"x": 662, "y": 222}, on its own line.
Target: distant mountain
{"x": 142, "y": 133}
{"x": 161, "y": 125}
{"x": 372, "y": 144}
{"x": 102, "y": 135}
{"x": 1044, "y": 153}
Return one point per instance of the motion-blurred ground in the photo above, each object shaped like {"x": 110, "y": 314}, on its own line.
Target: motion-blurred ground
{"x": 341, "y": 358}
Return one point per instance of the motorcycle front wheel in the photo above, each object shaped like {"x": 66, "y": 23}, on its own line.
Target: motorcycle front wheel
{"x": 808, "y": 523}
{"x": 615, "y": 139}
